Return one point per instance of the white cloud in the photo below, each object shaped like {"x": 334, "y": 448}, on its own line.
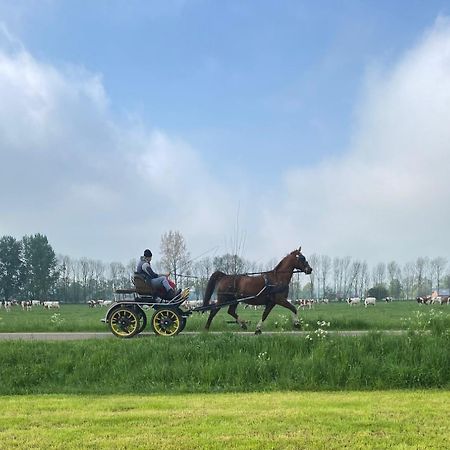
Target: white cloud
{"x": 387, "y": 197}
{"x": 97, "y": 187}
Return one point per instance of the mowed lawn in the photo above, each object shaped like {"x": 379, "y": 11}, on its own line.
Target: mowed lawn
{"x": 383, "y": 316}
{"x": 288, "y": 420}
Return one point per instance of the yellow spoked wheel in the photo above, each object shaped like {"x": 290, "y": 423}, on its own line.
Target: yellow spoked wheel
{"x": 124, "y": 322}
{"x": 166, "y": 322}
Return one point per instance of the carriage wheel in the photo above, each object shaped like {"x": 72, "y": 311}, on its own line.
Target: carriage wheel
{"x": 142, "y": 320}
{"x": 183, "y": 324}
{"x": 124, "y": 322}
{"x": 167, "y": 322}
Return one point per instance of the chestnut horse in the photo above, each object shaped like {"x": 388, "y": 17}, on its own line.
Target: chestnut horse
{"x": 269, "y": 289}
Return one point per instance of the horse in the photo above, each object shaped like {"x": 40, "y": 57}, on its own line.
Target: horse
{"x": 269, "y": 289}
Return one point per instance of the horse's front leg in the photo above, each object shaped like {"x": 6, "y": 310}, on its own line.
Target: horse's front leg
{"x": 266, "y": 312}
{"x": 232, "y": 313}
{"x": 292, "y": 308}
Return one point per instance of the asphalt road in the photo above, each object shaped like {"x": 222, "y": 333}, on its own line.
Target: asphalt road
{"x": 148, "y": 335}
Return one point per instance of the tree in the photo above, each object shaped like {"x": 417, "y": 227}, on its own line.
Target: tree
{"x": 10, "y": 267}
{"x": 231, "y": 264}
{"x": 408, "y": 279}
{"x": 379, "y": 274}
{"x": 378, "y": 292}
{"x": 174, "y": 255}
{"x": 421, "y": 269}
{"x": 437, "y": 266}
{"x": 202, "y": 270}
{"x": 324, "y": 270}
{"x": 40, "y": 264}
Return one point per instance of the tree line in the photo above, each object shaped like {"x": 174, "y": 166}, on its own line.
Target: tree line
{"x": 30, "y": 269}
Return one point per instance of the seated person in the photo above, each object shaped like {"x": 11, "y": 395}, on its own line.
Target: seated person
{"x": 155, "y": 280}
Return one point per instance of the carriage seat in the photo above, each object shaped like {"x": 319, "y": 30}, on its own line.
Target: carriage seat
{"x": 142, "y": 288}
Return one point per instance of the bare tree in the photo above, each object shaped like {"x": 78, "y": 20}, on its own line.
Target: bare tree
{"x": 379, "y": 274}
{"x": 202, "y": 270}
{"x": 363, "y": 278}
{"x": 355, "y": 272}
{"x": 174, "y": 254}
{"x": 325, "y": 267}
{"x": 314, "y": 263}
{"x": 421, "y": 270}
{"x": 408, "y": 279}
{"x": 437, "y": 268}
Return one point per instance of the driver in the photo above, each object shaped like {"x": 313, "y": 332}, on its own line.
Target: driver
{"x": 153, "y": 279}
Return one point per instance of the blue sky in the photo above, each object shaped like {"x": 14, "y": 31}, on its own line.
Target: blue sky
{"x": 262, "y": 80}
{"x": 244, "y": 97}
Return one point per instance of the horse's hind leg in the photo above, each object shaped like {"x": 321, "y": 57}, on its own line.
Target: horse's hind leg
{"x": 232, "y": 313}
{"x": 211, "y": 317}
{"x": 266, "y": 312}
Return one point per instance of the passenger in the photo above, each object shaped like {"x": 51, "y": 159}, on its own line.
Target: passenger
{"x": 153, "y": 279}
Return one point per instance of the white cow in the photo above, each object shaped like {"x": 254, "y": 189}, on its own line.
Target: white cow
{"x": 26, "y": 305}
{"x": 369, "y": 301}
{"x": 353, "y": 301}
{"x": 437, "y": 299}
{"x": 49, "y": 305}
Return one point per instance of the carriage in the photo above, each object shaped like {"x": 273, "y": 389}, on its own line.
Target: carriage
{"x": 127, "y": 317}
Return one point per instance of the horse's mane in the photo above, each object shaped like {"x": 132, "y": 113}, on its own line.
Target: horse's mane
{"x": 279, "y": 264}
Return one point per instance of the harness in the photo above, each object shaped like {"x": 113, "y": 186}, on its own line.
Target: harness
{"x": 273, "y": 289}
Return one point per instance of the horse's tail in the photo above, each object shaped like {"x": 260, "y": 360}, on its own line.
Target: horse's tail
{"x": 215, "y": 277}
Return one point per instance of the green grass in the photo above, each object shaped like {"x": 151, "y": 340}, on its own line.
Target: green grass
{"x": 279, "y": 420}
{"x": 384, "y": 316}
{"x": 225, "y": 363}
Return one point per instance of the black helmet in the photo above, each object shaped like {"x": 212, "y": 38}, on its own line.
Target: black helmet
{"x": 147, "y": 253}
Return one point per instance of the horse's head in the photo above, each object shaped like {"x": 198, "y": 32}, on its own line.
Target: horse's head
{"x": 300, "y": 262}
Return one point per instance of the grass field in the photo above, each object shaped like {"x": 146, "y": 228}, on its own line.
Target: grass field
{"x": 286, "y": 420}
{"x": 384, "y": 316}
{"x": 225, "y": 363}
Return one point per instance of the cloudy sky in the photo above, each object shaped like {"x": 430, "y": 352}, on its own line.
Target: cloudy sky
{"x": 272, "y": 123}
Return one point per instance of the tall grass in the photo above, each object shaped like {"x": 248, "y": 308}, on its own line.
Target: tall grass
{"x": 225, "y": 363}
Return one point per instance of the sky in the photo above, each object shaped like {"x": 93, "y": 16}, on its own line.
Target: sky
{"x": 271, "y": 124}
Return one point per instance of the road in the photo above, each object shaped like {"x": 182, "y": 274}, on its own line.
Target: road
{"x": 107, "y": 335}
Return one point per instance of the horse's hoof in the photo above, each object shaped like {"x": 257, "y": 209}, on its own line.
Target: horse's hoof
{"x": 297, "y": 325}
{"x": 258, "y": 331}
{"x": 243, "y": 326}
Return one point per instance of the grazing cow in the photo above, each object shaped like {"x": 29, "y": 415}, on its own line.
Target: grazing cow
{"x": 305, "y": 303}
{"x": 369, "y": 301}
{"x": 424, "y": 300}
{"x": 8, "y": 305}
{"x": 387, "y": 299}
{"x": 26, "y": 305}
{"x": 49, "y": 305}
{"x": 437, "y": 299}
{"x": 441, "y": 299}
{"x": 353, "y": 301}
